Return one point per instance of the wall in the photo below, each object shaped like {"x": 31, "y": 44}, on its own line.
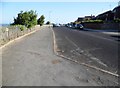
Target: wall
{"x": 106, "y": 26}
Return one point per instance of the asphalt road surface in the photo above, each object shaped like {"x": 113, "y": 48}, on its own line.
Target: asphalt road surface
{"x": 30, "y": 61}
{"x": 90, "y": 47}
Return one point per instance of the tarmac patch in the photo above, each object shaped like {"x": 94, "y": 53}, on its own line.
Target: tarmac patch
{"x": 56, "y": 61}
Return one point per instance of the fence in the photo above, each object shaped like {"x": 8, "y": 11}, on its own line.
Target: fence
{"x": 12, "y": 32}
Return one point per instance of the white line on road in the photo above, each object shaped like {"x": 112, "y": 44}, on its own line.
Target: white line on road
{"x": 86, "y": 53}
{"x": 71, "y": 42}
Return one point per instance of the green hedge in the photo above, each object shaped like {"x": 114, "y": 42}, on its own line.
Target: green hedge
{"x": 21, "y": 27}
{"x": 93, "y": 21}
{"x": 117, "y": 20}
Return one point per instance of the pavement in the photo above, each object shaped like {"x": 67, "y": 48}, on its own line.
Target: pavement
{"x": 31, "y": 61}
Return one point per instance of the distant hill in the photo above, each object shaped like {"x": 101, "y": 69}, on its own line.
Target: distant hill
{"x": 4, "y": 25}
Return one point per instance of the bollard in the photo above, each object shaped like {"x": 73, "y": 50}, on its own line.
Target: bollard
{"x": 7, "y": 30}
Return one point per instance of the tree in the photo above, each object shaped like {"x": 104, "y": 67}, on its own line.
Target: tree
{"x": 40, "y": 21}
{"x": 48, "y": 22}
{"x": 27, "y": 18}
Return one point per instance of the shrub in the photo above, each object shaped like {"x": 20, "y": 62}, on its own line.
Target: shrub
{"x": 40, "y": 21}
{"x": 48, "y": 22}
{"x": 21, "y": 27}
{"x": 27, "y": 18}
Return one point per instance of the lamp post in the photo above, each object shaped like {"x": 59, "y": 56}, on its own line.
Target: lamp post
{"x": 49, "y": 17}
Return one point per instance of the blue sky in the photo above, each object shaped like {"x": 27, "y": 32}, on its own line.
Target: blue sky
{"x": 58, "y": 12}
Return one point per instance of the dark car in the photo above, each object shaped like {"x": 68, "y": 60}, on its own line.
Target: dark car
{"x": 56, "y": 25}
{"x": 79, "y": 26}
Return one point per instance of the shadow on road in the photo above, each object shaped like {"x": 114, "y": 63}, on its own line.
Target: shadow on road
{"x": 117, "y": 37}
{"x": 100, "y": 30}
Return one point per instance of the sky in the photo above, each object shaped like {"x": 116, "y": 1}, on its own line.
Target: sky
{"x": 56, "y": 12}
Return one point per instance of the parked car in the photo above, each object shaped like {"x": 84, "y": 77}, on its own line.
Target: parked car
{"x": 79, "y": 26}
{"x": 70, "y": 26}
{"x": 56, "y": 25}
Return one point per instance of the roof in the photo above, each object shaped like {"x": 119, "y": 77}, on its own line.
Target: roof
{"x": 105, "y": 13}
{"x": 118, "y": 7}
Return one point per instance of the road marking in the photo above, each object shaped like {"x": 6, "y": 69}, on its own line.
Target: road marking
{"x": 101, "y": 37}
{"x": 92, "y": 49}
{"x": 97, "y": 60}
{"x": 86, "y": 54}
{"x": 90, "y": 66}
{"x": 87, "y": 65}
{"x": 71, "y": 42}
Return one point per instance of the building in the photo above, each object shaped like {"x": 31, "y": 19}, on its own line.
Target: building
{"x": 106, "y": 16}
{"x": 116, "y": 12}
{"x": 119, "y": 3}
{"x": 88, "y": 17}
{"x": 110, "y": 15}
{"x": 80, "y": 19}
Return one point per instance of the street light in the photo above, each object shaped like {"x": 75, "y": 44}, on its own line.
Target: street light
{"x": 49, "y": 17}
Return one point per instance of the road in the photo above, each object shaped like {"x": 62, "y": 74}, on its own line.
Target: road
{"x": 30, "y": 61}
{"x": 90, "y": 47}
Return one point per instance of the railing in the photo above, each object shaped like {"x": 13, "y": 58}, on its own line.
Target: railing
{"x": 12, "y": 32}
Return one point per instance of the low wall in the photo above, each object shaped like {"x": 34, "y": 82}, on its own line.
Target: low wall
{"x": 12, "y": 32}
{"x": 115, "y": 26}
{"x": 92, "y": 25}
{"x": 0, "y": 68}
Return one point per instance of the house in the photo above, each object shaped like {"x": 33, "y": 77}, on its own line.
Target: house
{"x": 80, "y": 19}
{"x": 106, "y": 16}
{"x": 88, "y": 17}
{"x": 116, "y": 12}
{"x": 119, "y": 3}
